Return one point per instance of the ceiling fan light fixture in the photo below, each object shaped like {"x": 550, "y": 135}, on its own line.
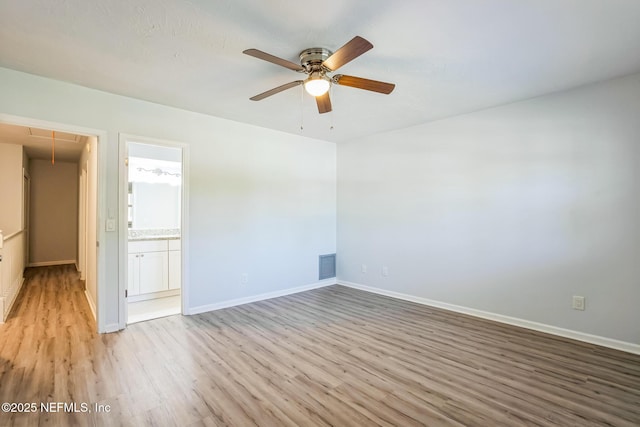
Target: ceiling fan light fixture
{"x": 316, "y": 62}
{"x": 317, "y": 84}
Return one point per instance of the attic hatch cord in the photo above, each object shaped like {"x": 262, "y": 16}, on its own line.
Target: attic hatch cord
{"x": 53, "y": 147}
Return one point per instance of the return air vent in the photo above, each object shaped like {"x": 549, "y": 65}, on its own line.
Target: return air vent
{"x": 327, "y": 266}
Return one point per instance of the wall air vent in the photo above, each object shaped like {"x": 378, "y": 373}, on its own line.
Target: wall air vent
{"x": 327, "y": 266}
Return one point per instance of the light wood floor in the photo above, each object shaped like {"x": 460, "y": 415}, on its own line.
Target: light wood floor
{"x": 332, "y": 356}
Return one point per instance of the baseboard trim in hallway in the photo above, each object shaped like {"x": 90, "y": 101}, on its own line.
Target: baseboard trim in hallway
{"x": 7, "y": 302}
{"x": 91, "y": 304}
{"x": 52, "y": 263}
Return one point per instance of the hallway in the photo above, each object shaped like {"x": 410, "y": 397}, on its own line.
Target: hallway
{"x": 50, "y": 352}
{"x": 45, "y": 341}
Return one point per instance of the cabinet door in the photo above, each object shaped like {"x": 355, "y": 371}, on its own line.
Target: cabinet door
{"x": 154, "y": 270}
{"x": 133, "y": 279}
{"x": 175, "y": 270}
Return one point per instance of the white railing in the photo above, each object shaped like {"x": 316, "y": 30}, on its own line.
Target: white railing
{"x": 12, "y": 249}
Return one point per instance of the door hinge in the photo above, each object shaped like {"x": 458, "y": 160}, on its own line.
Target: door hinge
{"x": 126, "y": 162}
{"x": 126, "y": 293}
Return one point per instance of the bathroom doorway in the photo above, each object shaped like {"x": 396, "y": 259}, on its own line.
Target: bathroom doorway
{"x": 153, "y": 204}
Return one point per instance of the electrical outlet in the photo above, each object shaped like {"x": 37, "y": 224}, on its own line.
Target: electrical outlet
{"x": 578, "y": 303}
{"x": 244, "y": 278}
{"x": 363, "y": 269}
{"x": 385, "y": 270}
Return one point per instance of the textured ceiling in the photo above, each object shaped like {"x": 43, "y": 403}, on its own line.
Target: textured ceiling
{"x": 446, "y": 57}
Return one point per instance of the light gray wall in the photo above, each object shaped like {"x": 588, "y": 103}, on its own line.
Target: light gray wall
{"x": 53, "y": 212}
{"x": 156, "y": 206}
{"x": 11, "y": 158}
{"x": 148, "y": 151}
{"x": 262, "y": 202}
{"x": 511, "y": 210}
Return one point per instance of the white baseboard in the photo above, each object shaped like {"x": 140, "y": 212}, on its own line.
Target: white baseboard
{"x": 541, "y": 327}
{"x": 112, "y": 327}
{"x": 92, "y": 305}
{"x": 260, "y": 297}
{"x": 9, "y": 300}
{"x": 153, "y": 295}
{"x": 50, "y": 263}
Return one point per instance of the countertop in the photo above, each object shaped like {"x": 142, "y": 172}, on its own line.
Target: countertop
{"x": 154, "y": 234}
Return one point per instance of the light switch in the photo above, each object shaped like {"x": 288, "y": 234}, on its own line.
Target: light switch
{"x": 111, "y": 225}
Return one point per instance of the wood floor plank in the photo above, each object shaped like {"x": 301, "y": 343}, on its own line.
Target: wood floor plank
{"x": 329, "y": 357}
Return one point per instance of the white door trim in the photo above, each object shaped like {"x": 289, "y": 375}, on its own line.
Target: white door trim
{"x": 123, "y": 237}
{"x": 26, "y": 206}
{"x": 82, "y": 222}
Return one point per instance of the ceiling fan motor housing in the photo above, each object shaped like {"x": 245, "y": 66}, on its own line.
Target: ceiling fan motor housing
{"x": 311, "y": 59}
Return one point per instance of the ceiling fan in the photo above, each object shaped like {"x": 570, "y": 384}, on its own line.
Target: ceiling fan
{"x": 318, "y": 63}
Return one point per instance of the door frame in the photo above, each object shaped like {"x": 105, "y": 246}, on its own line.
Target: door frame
{"x": 26, "y": 206}
{"x": 123, "y": 237}
{"x": 83, "y": 201}
{"x": 101, "y": 208}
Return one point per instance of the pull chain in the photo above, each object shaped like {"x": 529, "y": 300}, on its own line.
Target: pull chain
{"x": 333, "y": 99}
{"x": 301, "y": 107}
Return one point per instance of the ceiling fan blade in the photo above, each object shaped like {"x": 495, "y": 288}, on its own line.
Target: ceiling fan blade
{"x": 366, "y": 84}
{"x": 350, "y": 51}
{"x": 324, "y": 103}
{"x": 275, "y": 90}
{"x": 273, "y": 59}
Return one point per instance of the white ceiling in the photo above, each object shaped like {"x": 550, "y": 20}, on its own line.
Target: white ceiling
{"x": 447, "y": 57}
{"x": 38, "y": 143}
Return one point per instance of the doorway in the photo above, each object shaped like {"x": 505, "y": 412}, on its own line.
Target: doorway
{"x": 153, "y": 194}
{"x": 51, "y": 153}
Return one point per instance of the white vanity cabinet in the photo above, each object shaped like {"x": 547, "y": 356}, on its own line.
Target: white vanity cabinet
{"x": 148, "y": 267}
{"x": 175, "y": 263}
